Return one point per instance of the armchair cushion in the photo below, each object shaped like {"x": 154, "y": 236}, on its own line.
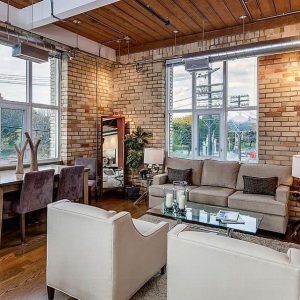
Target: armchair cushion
{"x": 258, "y": 203}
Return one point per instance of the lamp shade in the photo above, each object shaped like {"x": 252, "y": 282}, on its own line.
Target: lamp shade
{"x": 296, "y": 166}
{"x": 154, "y": 156}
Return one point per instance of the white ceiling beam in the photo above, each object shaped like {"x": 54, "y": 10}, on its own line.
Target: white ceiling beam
{"x": 62, "y": 9}
{"x": 56, "y": 33}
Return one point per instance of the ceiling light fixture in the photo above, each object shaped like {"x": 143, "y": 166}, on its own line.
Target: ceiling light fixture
{"x": 175, "y": 41}
{"x": 243, "y": 17}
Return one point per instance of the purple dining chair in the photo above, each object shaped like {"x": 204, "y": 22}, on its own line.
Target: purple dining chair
{"x": 70, "y": 184}
{"x": 36, "y": 193}
{"x": 90, "y": 163}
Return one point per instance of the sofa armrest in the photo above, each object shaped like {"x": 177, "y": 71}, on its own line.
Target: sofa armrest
{"x": 160, "y": 179}
{"x": 294, "y": 256}
{"x": 177, "y": 229}
{"x": 282, "y": 193}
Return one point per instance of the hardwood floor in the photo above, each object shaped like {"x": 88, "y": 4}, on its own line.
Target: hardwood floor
{"x": 23, "y": 267}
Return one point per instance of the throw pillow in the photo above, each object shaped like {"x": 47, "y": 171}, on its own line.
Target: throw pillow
{"x": 179, "y": 175}
{"x": 260, "y": 185}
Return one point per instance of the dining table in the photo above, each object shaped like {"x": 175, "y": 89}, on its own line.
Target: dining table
{"x": 12, "y": 182}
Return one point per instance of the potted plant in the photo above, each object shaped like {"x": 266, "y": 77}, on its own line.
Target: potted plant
{"x": 135, "y": 143}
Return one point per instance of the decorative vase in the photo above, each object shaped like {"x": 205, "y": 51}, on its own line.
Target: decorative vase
{"x": 33, "y": 149}
{"x": 20, "y": 158}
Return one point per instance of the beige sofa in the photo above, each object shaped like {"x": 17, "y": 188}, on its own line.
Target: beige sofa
{"x": 207, "y": 266}
{"x": 220, "y": 183}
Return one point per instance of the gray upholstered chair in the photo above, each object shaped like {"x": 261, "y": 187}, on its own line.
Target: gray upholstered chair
{"x": 70, "y": 185}
{"x": 36, "y": 193}
{"x": 90, "y": 163}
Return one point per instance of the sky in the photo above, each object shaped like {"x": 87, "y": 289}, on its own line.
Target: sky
{"x": 13, "y": 74}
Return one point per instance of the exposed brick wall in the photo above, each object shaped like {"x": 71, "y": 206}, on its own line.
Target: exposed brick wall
{"x": 140, "y": 97}
{"x": 79, "y": 106}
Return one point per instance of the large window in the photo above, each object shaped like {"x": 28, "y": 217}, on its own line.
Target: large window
{"x": 29, "y": 101}
{"x": 213, "y": 113}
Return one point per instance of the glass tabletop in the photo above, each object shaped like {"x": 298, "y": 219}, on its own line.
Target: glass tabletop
{"x": 203, "y": 214}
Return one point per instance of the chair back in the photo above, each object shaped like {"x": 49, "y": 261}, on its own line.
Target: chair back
{"x": 90, "y": 163}
{"x": 37, "y": 191}
{"x": 70, "y": 185}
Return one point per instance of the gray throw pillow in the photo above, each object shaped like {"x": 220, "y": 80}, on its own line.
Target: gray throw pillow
{"x": 179, "y": 175}
{"x": 260, "y": 185}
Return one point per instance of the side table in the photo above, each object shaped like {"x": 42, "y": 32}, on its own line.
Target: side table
{"x": 295, "y": 195}
{"x": 148, "y": 181}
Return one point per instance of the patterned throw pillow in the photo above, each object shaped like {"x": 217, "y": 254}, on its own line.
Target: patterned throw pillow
{"x": 260, "y": 185}
{"x": 179, "y": 175}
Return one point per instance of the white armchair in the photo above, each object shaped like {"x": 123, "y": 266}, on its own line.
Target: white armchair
{"x": 208, "y": 266}
{"x": 96, "y": 254}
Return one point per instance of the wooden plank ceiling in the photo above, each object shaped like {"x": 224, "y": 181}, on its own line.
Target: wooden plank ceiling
{"x": 146, "y": 31}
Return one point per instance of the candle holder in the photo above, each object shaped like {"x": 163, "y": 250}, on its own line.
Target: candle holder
{"x": 169, "y": 201}
{"x": 180, "y": 195}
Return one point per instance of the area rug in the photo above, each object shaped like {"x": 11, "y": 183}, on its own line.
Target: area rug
{"x": 156, "y": 288}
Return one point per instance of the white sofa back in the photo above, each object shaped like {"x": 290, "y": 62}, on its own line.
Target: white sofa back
{"x": 208, "y": 266}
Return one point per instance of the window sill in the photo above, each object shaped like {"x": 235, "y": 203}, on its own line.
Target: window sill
{"x": 27, "y": 165}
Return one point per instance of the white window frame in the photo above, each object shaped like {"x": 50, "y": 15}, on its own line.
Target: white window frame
{"x": 223, "y": 111}
{"x": 29, "y": 105}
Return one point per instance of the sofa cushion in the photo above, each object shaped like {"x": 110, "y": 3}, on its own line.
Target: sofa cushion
{"x": 260, "y": 185}
{"x": 220, "y": 173}
{"x": 159, "y": 190}
{"x": 179, "y": 175}
{"x": 257, "y": 203}
{"x": 181, "y": 163}
{"x": 213, "y": 195}
{"x": 284, "y": 173}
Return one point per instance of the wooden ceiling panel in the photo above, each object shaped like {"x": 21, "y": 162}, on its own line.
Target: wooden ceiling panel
{"x": 147, "y": 30}
{"x": 282, "y": 6}
{"x": 267, "y": 7}
{"x": 21, "y": 3}
{"x": 295, "y": 5}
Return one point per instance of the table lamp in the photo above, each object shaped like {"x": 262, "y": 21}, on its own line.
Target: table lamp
{"x": 153, "y": 157}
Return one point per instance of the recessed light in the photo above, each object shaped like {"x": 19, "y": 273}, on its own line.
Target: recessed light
{"x": 77, "y": 22}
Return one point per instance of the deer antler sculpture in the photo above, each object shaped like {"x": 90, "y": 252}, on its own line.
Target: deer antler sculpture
{"x": 20, "y": 157}
{"x": 33, "y": 149}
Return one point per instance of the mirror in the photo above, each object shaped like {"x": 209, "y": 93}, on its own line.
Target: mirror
{"x": 112, "y": 153}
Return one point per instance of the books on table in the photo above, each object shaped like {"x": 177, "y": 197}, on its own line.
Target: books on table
{"x": 229, "y": 217}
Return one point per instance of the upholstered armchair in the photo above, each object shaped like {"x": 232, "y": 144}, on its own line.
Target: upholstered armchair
{"x": 204, "y": 265}
{"x": 96, "y": 254}
{"x": 90, "y": 163}
{"x": 70, "y": 184}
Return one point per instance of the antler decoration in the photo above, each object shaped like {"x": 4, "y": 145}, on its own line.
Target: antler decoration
{"x": 20, "y": 158}
{"x": 33, "y": 149}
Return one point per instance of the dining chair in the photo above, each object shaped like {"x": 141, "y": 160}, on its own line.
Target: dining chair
{"x": 91, "y": 164}
{"x": 36, "y": 193}
{"x": 70, "y": 184}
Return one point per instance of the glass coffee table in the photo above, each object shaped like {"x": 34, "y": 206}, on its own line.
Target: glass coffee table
{"x": 202, "y": 214}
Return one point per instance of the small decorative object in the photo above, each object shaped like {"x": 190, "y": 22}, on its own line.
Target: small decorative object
{"x": 33, "y": 148}
{"x": 169, "y": 199}
{"x": 20, "y": 158}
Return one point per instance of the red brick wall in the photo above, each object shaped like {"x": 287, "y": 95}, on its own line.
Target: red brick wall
{"x": 78, "y": 103}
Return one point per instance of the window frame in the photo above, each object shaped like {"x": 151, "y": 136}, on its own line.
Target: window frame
{"x": 223, "y": 111}
{"x": 29, "y": 105}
